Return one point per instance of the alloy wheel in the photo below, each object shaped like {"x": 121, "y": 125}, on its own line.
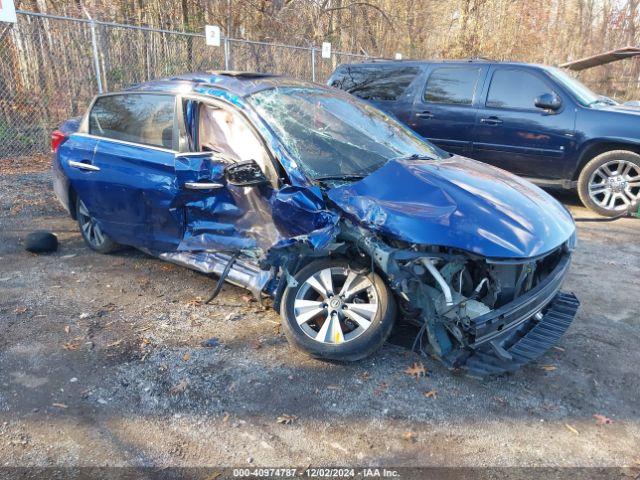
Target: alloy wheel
{"x": 615, "y": 185}
{"x": 336, "y": 305}
{"x": 90, "y": 228}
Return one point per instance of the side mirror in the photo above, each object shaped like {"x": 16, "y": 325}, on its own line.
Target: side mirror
{"x": 245, "y": 174}
{"x": 548, "y": 101}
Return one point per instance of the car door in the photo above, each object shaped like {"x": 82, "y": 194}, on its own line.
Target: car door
{"x": 512, "y": 133}
{"x": 218, "y": 214}
{"x": 445, "y": 111}
{"x": 127, "y": 184}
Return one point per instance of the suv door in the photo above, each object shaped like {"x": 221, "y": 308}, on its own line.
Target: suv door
{"x": 445, "y": 111}
{"x": 512, "y": 133}
{"x": 128, "y": 188}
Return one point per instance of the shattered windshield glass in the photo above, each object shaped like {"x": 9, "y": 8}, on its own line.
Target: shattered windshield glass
{"x": 332, "y": 135}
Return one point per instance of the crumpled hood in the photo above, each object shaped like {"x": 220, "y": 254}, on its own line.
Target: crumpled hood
{"x": 457, "y": 202}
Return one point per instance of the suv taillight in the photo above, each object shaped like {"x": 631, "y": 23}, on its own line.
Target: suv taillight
{"x": 57, "y": 137}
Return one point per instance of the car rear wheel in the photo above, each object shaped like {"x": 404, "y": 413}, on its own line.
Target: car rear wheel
{"x": 610, "y": 182}
{"x": 91, "y": 231}
{"x": 337, "y": 312}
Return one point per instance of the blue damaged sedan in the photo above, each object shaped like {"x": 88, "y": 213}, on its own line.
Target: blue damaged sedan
{"x": 341, "y": 215}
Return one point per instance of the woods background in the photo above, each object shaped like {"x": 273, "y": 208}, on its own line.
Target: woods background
{"x": 47, "y": 74}
{"x": 546, "y": 31}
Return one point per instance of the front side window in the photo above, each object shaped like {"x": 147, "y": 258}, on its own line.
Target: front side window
{"x": 225, "y": 131}
{"x": 375, "y": 83}
{"x": 331, "y": 134}
{"x": 515, "y": 89}
{"x": 452, "y": 85}
{"x": 139, "y": 118}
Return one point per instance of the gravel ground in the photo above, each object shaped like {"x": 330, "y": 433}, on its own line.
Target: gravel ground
{"x": 102, "y": 363}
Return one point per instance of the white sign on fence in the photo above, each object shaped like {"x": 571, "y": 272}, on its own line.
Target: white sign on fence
{"x": 7, "y": 11}
{"x": 212, "y": 35}
{"x": 398, "y": 56}
{"x": 326, "y": 49}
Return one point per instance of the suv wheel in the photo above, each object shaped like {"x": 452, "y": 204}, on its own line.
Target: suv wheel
{"x": 91, "y": 231}
{"x": 338, "y": 313}
{"x": 610, "y": 182}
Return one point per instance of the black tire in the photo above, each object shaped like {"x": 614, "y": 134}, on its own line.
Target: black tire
{"x": 101, "y": 243}
{"x": 352, "y": 350}
{"x": 590, "y": 169}
{"x": 41, "y": 241}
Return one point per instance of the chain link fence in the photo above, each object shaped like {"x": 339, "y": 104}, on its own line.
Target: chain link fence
{"x": 51, "y": 67}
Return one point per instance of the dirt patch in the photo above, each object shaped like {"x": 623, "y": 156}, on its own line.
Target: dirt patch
{"x": 115, "y": 360}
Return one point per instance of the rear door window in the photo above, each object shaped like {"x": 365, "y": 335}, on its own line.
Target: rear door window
{"x": 147, "y": 119}
{"x": 452, "y": 85}
{"x": 375, "y": 83}
{"x": 516, "y": 89}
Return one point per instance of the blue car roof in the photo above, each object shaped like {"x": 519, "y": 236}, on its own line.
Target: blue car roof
{"x": 238, "y": 83}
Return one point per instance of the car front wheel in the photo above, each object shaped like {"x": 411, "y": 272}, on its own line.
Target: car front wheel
{"x": 91, "y": 231}
{"x": 610, "y": 182}
{"x": 337, "y": 311}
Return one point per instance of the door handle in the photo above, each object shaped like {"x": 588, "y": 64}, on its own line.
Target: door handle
{"x": 202, "y": 185}
{"x": 425, "y": 114}
{"x": 84, "y": 165}
{"x": 491, "y": 121}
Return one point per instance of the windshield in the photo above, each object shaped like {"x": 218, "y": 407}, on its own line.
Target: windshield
{"x": 332, "y": 135}
{"x": 582, "y": 93}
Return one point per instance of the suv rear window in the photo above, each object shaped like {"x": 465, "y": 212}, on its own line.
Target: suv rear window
{"x": 374, "y": 83}
{"x": 138, "y": 118}
{"x": 453, "y": 85}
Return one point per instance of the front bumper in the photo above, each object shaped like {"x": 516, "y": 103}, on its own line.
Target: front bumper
{"x": 521, "y": 331}
{"x": 527, "y": 343}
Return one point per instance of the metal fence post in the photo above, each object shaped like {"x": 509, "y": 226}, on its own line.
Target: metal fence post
{"x": 313, "y": 64}
{"x": 226, "y": 53}
{"x": 94, "y": 44}
{"x": 96, "y": 59}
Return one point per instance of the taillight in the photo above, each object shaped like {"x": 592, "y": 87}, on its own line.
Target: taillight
{"x": 57, "y": 137}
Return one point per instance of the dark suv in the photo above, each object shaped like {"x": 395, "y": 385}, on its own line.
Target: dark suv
{"x": 533, "y": 120}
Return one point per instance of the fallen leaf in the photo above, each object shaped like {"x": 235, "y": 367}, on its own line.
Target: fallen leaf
{"x": 602, "y": 420}
{"x": 571, "y": 429}
{"x": 548, "y": 368}
{"x": 67, "y": 329}
{"x": 186, "y": 357}
{"x": 20, "y": 309}
{"x": 247, "y": 298}
{"x": 115, "y": 344}
{"x": 416, "y": 370}
{"x": 431, "y": 394}
{"x": 71, "y": 346}
{"x": 409, "y": 437}
{"x": 383, "y": 386}
{"x": 286, "y": 419}
{"x": 225, "y": 419}
{"x": 59, "y": 405}
{"x": 195, "y": 302}
{"x": 179, "y": 388}
{"x": 364, "y": 376}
